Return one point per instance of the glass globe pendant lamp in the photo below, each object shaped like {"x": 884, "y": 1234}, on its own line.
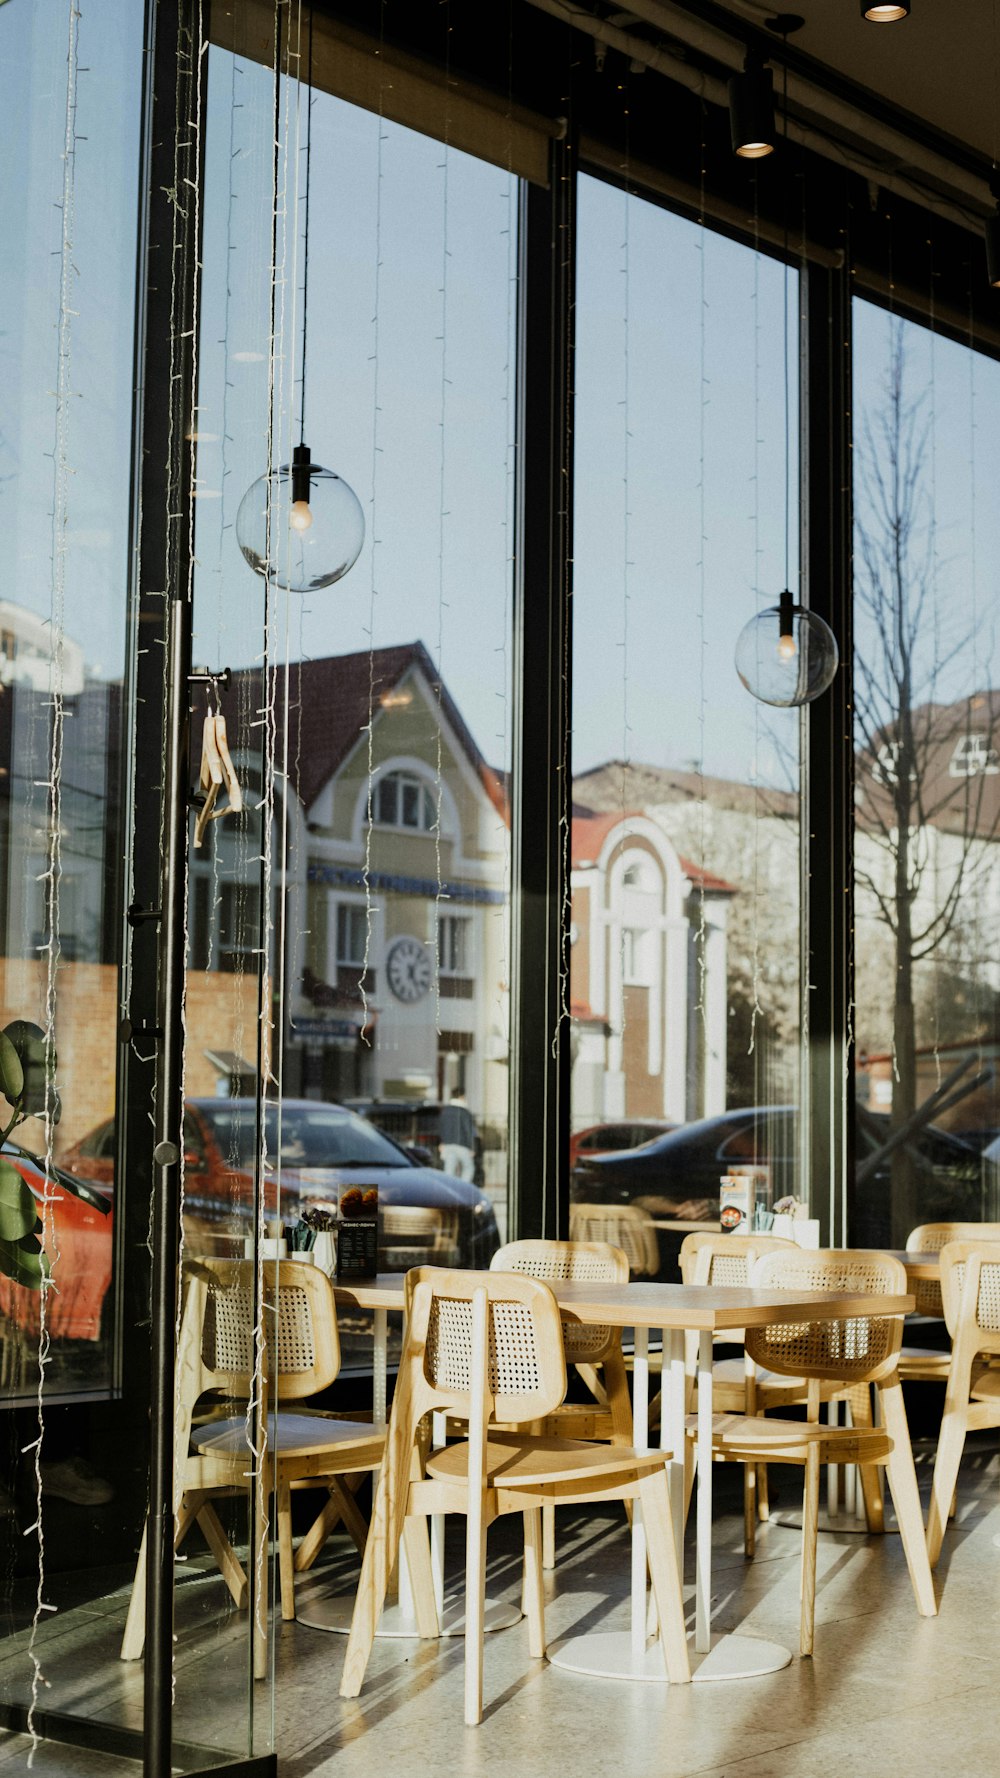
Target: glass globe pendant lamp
{"x": 786, "y": 655}
{"x": 302, "y": 526}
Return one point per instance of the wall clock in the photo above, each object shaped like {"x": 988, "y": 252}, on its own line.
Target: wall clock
{"x": 410, "y": 969}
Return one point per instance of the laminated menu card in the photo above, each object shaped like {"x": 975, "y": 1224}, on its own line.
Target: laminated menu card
{"x": 357, "y": 1233}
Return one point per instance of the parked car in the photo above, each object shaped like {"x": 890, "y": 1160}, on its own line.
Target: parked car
{"x": 615, "y": 1137}
{"x": 439, "y": 1132}
{"x": 77, "y": 1219}
{"x": 676, "y": 1176}
{"x": 426, "y": 1216}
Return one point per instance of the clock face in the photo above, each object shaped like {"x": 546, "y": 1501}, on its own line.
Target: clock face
{"x": 409, "y": 968}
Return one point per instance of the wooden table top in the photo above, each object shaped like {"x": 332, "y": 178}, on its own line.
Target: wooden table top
{"x": 709, "y": 1308}
{"x": 922, "y": 1267}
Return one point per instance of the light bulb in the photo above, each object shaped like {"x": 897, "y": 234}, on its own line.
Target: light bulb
{"x": 786, "y": 647}
{"x": 300, "y": 518}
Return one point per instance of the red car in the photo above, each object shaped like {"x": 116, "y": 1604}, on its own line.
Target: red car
{"x": 76, "y": 1235}
{"x": 627, "y": 1132}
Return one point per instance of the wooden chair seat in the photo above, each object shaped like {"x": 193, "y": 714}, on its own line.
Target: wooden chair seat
{"x": 515, "y": 1463}
{"x": 487, "y": 1348}
{"x": 987, "y": 1388}
{"x": 788, "y": 1441}
{"x": 923, "y": 1364}
{"x": 295, "y": 1435}
{"x": 852, "y": 1354}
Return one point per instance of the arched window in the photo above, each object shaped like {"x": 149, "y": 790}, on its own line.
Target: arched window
{"x": 401, "y": 799}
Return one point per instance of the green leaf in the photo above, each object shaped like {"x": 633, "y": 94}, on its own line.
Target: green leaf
{"x": 24, "y": 1268}
{"x": 11, "y": 1072}
{"x": 37, "y": 1056}
{"x": 18, "y": 1208}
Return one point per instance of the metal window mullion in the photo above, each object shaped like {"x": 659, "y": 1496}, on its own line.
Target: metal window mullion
{"x": 542, "y": 790}
{"x": 827, "y": 826}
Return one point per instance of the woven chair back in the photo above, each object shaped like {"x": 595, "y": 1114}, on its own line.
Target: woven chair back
{"x": 930, "y": 1237}
{"x": 300, "y": 1346}
{"x": 970, "y": 1286}
{"x": 619, "y": 1225}
{"x": 712, "y": 1258}
{"x": 526, "y": 1364}
{"x": 855, "y": 1350}
{"x": 582, "y": 1262}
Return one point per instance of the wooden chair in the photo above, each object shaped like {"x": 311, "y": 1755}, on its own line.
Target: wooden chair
{"x": 619, "y": 1225}
{"x": 487, "y": 1347}
{"x": 217, "y": 1355}
{"x": 608, "y": 1416}
{"x": 970, "y": 1289}
{"x": 708, "y": 1257}
{"x": 859, "y": 1351}
{"x": 925, "y": 1364}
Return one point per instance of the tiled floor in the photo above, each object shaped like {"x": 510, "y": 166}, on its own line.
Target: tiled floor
{"x": 887, "y": 1693}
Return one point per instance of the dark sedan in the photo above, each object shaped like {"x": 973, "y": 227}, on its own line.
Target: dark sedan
{"x": 676, "y": 1177}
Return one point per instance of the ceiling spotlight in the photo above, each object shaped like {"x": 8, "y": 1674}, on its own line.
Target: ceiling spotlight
{"x": 884, "y": 12}
{"x": 751, "y": 109}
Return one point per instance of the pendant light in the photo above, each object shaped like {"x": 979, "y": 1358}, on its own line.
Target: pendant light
{"x": 885, "y": 12}
{"x": 751, "y": 109}
{"x": 786, "y": 655}
{"x": 301, "y": 526}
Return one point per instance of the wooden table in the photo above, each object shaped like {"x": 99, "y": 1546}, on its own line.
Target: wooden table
{"x": 673, "y": 1309}
{"x": 922, "y": 1268}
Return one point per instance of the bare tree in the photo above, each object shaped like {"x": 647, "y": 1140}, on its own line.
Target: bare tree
{"x": 928, "y": 794}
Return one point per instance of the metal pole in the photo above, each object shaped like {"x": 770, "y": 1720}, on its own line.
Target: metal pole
{"x": 166, "y": 1200}
{"x": 171, "y": 228}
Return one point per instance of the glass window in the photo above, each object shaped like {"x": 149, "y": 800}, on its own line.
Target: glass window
{"x": 352, "y": 933}
{"x": 927, "y": 808}
{"x": 684, "y": 987}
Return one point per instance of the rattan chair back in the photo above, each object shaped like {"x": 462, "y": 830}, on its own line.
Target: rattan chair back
{"x": 526, "y": 1364}
{"x": 619, "y": 1225}
{"x": 930, "y": 1237}
{"x": 298, "y": 1339}
{"x": 859, "y": 1349}
{"x": 583, "y": 1262}
{"x": 708, "y": 1257}
{"x": 970, "y": 1287}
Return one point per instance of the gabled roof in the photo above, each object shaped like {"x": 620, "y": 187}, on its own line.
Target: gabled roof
{"x": 332, "y": 702}
{"x": 590, "y": 829}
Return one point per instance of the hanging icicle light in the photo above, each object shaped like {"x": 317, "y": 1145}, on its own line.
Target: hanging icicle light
{"x": 786, "y": 655}
{"x": 301, "y": 526}
{"x": 751, "y": 109}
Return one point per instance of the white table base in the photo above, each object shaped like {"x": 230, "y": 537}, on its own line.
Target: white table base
{"x": 609, "y": 1654}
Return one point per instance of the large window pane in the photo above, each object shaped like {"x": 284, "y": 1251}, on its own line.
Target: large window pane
{"x": 389, "y": 691}
{"x": 927, "y": 661}
{"x": 685, "y": 962}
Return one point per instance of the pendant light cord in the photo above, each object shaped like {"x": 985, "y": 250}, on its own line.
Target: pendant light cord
{"x": 305, "y": 253}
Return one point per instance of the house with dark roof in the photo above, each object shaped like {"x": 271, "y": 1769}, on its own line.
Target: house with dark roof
{"x": 395, "y": 833}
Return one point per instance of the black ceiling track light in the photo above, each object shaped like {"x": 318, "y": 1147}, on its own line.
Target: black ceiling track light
{"x": 885, "y": 12}
{"x": 751, "y": 109}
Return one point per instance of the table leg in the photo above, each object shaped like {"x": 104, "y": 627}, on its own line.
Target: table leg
{"x": 640, "y": 1438}
{"x": 673, "y": 1428}
{"x": 703, "y": 1554}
